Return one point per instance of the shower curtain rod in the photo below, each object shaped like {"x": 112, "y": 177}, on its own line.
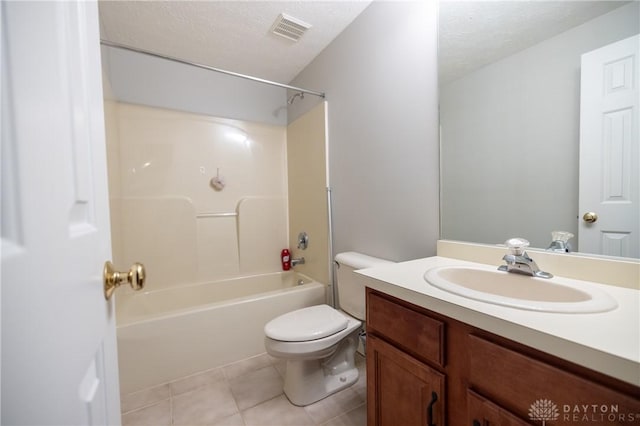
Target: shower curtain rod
{"x": 206, "y": 67}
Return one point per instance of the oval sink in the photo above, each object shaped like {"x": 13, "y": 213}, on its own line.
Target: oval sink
{"x": 519, "y": 291}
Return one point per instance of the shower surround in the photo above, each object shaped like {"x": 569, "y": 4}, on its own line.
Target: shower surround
{"x": 211, "y": 254}
{"x": 165, "y": 211}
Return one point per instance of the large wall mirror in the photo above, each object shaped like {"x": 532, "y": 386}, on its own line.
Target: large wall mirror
{"x": 510, "y": 112}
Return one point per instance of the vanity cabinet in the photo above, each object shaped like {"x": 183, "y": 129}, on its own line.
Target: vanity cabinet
{"x": 501, "y": 374}
{"x": 409, "y": 393}
{"x": 402, "y": 389}
{"x": 427, "y": 369}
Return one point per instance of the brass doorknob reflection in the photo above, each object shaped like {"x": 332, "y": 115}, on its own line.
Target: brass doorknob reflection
{"x": 113, "y": 279}
{"x": 590, "y": 217}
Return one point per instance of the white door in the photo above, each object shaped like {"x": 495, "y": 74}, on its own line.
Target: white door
{"x": 609, "y": 150}
{"x": 59, "y": 362}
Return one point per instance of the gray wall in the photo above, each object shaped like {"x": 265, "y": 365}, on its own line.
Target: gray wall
{"x": 380, "y": 78}
{"x": 510, "y": 135}
{"x": 146, "y": 80}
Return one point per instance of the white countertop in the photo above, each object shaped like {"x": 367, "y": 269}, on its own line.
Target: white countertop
{"x": 608, "y": 342}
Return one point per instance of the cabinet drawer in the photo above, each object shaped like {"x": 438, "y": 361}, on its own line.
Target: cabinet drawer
{"x": 415, "y": 332}
{"x": 482, "y": 412}
{"x": 518, "y": 382}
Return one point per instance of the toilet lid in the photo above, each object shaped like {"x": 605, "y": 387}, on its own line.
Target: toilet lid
{"x": 310, "y": 323}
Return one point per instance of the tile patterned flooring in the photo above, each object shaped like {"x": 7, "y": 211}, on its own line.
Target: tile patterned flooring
{"x": 245, "y": 393}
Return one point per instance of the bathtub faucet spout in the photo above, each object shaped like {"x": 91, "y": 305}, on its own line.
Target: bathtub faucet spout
{"x": 298, "y": 261}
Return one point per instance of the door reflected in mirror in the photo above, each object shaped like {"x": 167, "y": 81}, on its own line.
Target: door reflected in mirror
{"x": 510, "y": 107}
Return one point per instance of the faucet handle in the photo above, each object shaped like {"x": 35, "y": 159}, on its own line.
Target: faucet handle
{"x": 517, "y": 245}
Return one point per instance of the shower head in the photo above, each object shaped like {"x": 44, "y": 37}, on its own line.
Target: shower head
{"x": 294, "y": 96}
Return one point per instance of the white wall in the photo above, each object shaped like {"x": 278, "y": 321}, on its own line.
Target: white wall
{"x": 380, "y": 78}
{"x": 510, "y": 136}
{"x": 145, "y": 80}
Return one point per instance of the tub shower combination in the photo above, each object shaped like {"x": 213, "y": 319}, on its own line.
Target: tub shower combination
{"x": 167, "y": 334}
{"x": 210, "y": 250}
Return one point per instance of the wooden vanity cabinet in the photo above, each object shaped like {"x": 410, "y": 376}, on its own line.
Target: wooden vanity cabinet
{"x": 521, "y": 380}
{"x": 407, "y": 392}
{"x": 478, "y": 378}
{"x": 405, "y": 355}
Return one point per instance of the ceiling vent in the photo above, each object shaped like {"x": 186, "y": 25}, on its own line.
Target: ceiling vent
{"x": 289, "y": 27}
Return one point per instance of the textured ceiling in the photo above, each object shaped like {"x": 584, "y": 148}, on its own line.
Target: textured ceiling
{"x": 232, "y": 35}
{"x": 476, "y": 33}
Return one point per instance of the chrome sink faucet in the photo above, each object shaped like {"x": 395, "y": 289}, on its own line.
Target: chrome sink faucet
{"x": 518, "y": 261}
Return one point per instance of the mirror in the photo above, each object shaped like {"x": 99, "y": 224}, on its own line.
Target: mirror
{"x": 510, "y": 113}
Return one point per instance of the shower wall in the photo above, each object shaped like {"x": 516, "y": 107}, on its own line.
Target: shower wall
{"x": 308, "y": 209}
{"x": 166, "y": 213}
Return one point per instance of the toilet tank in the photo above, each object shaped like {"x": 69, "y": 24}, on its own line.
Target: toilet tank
{"x": 351, "y": 294}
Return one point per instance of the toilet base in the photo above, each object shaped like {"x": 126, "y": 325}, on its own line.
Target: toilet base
{"x": 309, "y": 381}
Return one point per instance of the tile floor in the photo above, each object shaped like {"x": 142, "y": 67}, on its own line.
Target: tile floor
{"x": 245, "y": 393}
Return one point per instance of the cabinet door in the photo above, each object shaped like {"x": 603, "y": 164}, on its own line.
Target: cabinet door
{"x": 482, "y": 412}
{"x": 525, "y": 384}
{"x": 400, "y": 389}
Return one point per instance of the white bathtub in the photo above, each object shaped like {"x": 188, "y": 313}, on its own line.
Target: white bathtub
{"x": 167, "y": 334}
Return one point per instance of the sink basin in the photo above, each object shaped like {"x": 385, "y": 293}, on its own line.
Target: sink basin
{"x": 519, "y": 291}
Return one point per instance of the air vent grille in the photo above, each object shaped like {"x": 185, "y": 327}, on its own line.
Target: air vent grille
{"x": 289, "y": 27}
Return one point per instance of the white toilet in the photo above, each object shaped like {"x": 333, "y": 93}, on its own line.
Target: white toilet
{"x": 319, "y": 342}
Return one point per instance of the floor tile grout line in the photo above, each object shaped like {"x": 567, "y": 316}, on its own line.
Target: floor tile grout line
{"x": 339, "y": 415}
{"x": 235, "y": 401}
{"x": 199, "y": 387}
{"x": 142, "y": 407}
{"x": 261, "y": 402}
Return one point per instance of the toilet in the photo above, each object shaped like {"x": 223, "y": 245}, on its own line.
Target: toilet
{"x": 319, "y": 342}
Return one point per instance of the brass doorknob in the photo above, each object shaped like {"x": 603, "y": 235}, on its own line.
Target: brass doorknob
{"x": 590, "y": 217}
{"x": 113, "y": 279}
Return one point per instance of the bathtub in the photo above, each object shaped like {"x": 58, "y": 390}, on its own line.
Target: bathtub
{"x": 167, "y": 334}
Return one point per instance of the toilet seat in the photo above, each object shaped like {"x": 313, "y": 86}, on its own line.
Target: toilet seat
{"x": 306, "y": 324}
{"x": 311, "y": 349}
